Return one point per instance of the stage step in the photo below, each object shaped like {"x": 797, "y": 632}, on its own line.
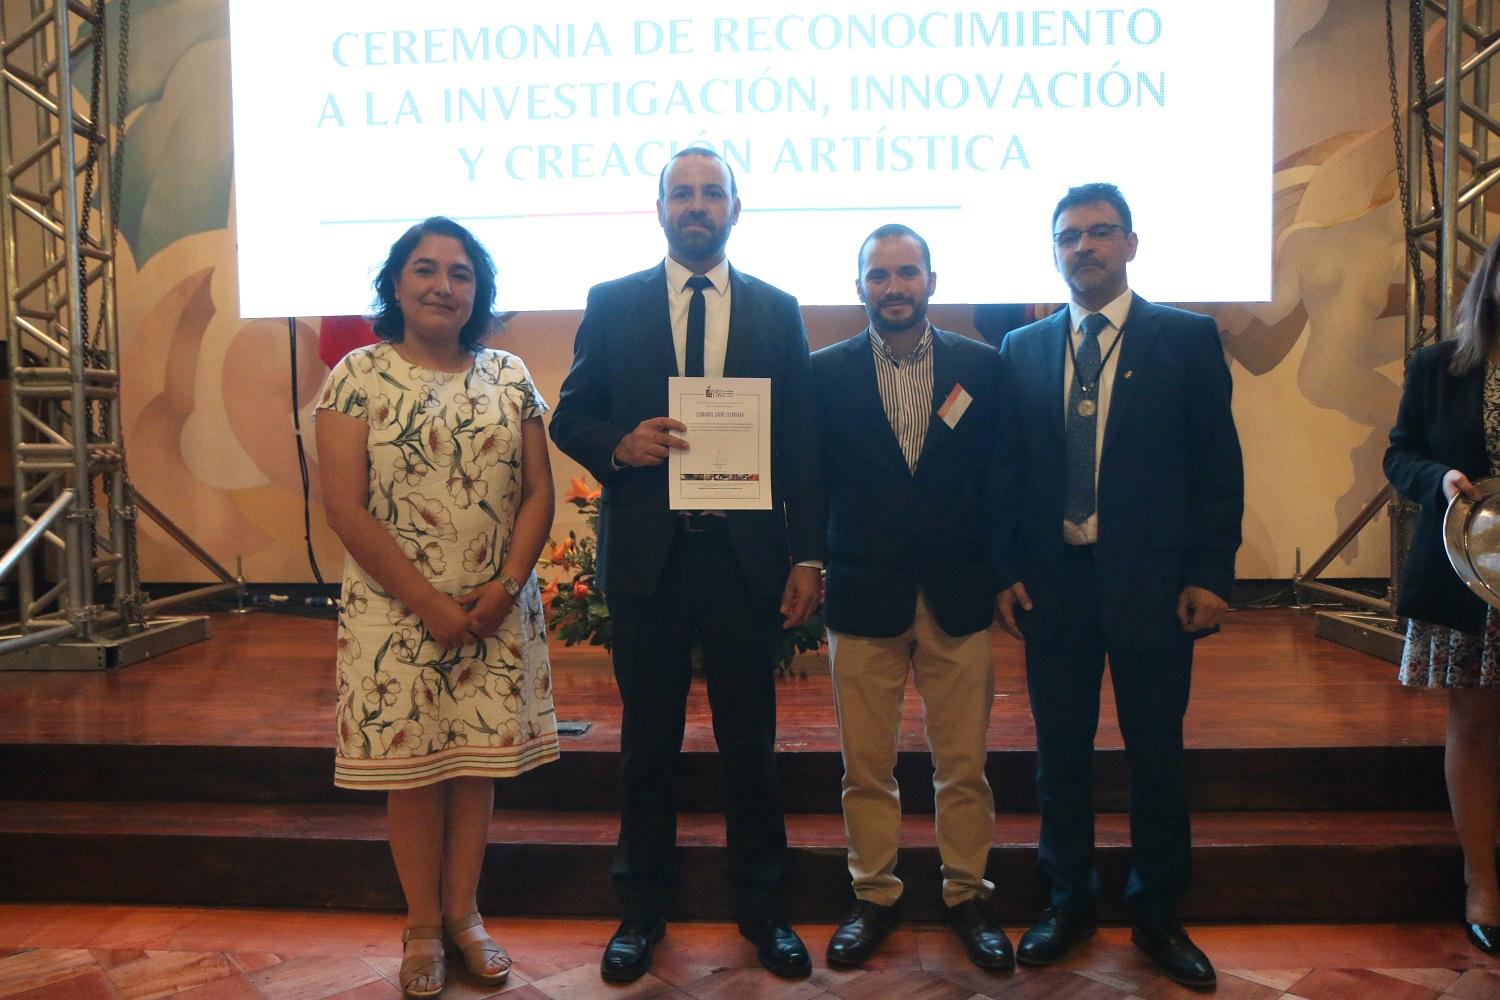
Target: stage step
{"x": 205, "y": 776}
{"x": 1219, "y": 780}
{"x": 1248, "y": 866}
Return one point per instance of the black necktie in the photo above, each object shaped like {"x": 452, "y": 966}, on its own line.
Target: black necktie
{"x": 697, "y": 308}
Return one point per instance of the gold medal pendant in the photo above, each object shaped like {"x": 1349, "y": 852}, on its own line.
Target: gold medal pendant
{"x": 1085, "y": 407}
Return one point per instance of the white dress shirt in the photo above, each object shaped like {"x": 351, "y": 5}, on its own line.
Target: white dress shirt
{"x": 715, "y": 315}
{"x": 1115, "y": 311}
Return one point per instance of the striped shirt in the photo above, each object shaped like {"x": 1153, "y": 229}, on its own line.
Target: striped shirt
{"x": 906, "y": 392}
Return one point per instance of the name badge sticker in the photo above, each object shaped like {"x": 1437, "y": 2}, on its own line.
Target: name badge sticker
{"x": 955, "y": 406}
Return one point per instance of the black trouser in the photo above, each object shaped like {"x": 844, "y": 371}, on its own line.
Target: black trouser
{"x": 1063, "y": 675}
{"x": 702, "y": 595}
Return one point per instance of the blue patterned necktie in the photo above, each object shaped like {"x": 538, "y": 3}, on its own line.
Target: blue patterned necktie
{"x": 696, "y": 324}
{"x": 1082, "y": 422}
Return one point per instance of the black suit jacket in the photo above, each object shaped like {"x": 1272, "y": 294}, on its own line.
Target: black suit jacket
{"x": 892, "y": 531}
{"x": 1171, "y": 483}
{"x": 622, "y": 358}
{"x": 1440, "y": 426}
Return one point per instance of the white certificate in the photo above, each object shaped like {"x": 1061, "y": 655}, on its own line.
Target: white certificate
{"x": 727, "y": 463}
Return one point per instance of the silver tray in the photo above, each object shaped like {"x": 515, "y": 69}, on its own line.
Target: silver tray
{"x": 1471, "y": 536}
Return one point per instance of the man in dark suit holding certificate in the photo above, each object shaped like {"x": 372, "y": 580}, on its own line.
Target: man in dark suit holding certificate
{"x": 907, "y": 413}
{"x": 1122, "y": 493}
{"x": 729, "y": 580}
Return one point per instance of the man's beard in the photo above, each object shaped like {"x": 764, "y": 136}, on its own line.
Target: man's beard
{"x": 918, "y": 317}
{"x": 697, "y": 245}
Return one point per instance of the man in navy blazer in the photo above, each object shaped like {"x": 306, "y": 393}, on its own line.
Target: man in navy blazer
{"x": 727, "y": 580}
{"x": 907, "y": 414}
{"x": 1122, "y": 487}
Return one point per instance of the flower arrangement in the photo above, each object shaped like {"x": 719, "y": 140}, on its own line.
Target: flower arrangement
{"x": 576, "y": 611}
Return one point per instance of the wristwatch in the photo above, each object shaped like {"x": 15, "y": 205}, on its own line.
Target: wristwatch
{"x": 511, "y": 586}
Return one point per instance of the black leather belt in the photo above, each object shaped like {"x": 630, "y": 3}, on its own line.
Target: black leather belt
{"x": 696, "y": 522}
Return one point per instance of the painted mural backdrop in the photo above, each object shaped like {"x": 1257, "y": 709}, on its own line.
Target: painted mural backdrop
{"x": 209, "y": 396}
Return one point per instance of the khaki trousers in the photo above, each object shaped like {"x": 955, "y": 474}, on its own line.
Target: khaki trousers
{"x": 956, "y": 680}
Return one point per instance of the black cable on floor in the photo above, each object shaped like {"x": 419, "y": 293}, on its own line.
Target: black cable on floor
{"x": 312, "y": 560}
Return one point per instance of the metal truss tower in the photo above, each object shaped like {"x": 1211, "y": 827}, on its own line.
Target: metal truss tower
{"x": 75, "y": 510}
{"x": 1448, "y": 162}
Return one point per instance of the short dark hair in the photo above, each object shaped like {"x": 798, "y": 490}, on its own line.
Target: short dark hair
{"x": 703, "y": 151}
{"x": 1478, "y": 312}
{"x": 1087, "y": 194}
{"x": 893, "y": 231}
{"x": 388, "y": 322}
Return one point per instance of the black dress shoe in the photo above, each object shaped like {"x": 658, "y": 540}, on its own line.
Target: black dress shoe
{"x": 1058, "y": 931}
{"x": 858, "y": 937}
{"x": 778, "y": 947}
{"x": 627, "y": 957}
{"x": 983, "y": 937}
{"x": 1485, "y": 937}
{"x": 1182, "y": 961}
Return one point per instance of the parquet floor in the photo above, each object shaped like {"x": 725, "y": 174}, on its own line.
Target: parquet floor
{"x": 143, "y": 953}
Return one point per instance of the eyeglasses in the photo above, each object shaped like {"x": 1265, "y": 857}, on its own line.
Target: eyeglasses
{"x": 1067, "y": 239}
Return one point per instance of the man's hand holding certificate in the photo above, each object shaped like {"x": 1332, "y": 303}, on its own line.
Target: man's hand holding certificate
{"x": 727, "y": 463}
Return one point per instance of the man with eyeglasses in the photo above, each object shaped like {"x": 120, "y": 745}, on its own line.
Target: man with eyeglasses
{"x": 1122, "y": 491}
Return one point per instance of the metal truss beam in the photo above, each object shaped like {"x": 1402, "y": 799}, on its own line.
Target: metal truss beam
{"x": 1452, "y": 161}
{"x": 75, "y": 511}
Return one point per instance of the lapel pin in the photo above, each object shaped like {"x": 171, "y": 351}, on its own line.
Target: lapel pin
{"x": 1129, "y": 373}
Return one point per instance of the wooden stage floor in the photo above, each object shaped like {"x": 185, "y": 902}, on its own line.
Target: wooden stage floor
{"x": 203, "y": 778}
{"x": 266, "y": 680}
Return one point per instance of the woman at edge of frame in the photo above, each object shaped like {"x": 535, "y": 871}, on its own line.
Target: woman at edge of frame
{"x": 1447, "y": 436}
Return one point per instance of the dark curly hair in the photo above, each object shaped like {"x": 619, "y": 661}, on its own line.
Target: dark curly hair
{"x": 388, "y": 322}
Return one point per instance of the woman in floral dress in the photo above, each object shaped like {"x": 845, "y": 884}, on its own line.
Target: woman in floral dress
{"x": 435, "y": 476}
{"x": 1447, "y": 435}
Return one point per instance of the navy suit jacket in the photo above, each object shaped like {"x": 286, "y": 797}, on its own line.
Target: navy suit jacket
{"x": 1440, "y": 426}
{"x": 893, "y": 531}
{"x": 622, "y": 358}
{"x": 1171, "y": 482}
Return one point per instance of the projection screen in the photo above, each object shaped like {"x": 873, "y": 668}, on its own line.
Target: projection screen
{"x": 544, "y": 127}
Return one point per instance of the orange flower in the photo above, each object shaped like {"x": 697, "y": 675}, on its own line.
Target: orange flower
{"x": 562, "y": 550}
{"x": 579, "y": 492}
{"x": 549, "y": 594}
{"x": 580, "y": 592}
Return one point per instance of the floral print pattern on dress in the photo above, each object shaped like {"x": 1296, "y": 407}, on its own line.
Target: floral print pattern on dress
{"x": 444, "y": 480}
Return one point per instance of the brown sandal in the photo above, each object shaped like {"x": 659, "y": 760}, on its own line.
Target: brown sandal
{"x": 485, "y": 960}
{"x": 423, "y": 972}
